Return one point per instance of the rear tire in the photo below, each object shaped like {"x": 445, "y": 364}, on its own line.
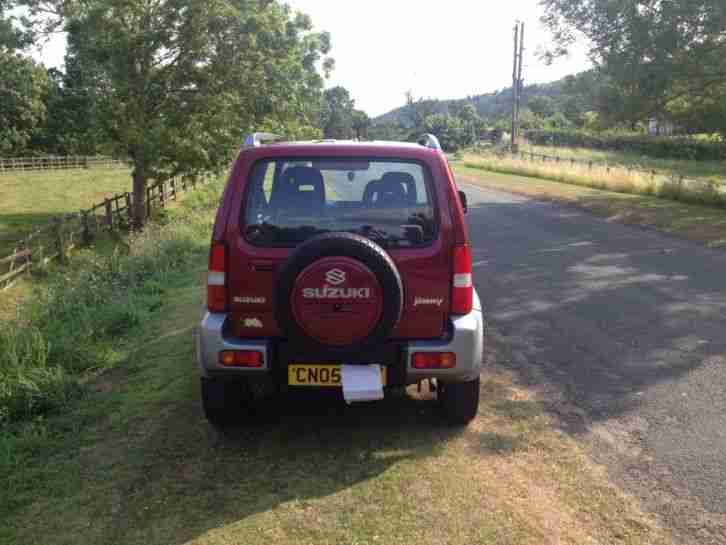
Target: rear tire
{"x": 222, "y": 401}
{"x": 459, "y": 401}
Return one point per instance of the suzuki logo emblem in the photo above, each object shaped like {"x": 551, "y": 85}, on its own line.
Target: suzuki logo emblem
{"x": 335, "y": 277}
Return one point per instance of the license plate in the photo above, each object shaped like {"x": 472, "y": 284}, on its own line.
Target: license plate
{"x": 307, "y": 374}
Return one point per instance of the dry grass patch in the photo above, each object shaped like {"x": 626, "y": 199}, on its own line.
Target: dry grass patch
{"x": 695, "y": 222}
{"x": 715, "y": 170}
{"x": 618, "y": 179}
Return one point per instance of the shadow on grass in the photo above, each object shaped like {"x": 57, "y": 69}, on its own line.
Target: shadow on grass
{"x": 13, "y": 227}
{"x": 145, "y": 467}
{"x": 307, "y": 450}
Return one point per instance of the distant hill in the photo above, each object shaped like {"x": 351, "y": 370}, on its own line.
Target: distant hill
{"x": 490, "y": 106}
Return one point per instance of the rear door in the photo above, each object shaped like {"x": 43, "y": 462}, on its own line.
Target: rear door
{"x": 391, "y": 201}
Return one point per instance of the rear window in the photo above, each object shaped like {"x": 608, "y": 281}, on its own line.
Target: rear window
{"x": 291, "y": 200}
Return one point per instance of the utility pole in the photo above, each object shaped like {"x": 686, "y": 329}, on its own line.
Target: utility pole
{"x": 520, "y": 86}
{"x": 517, "y": 82}
{"x": 515, "y": 88}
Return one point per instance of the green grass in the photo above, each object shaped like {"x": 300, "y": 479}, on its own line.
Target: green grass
{"x": 700, "y": 223}
{"x": 714, "y": 170}
{"x": 31, "y": 199}
{"x": 74, "y": 320}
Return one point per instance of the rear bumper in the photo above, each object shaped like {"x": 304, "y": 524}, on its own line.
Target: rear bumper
{"x": 466, "y": 340}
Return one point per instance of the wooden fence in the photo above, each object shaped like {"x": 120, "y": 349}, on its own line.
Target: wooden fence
{"x": 697, "y": 183}
{"x": 31, "y": 164}
{"x": 55, "y": 240}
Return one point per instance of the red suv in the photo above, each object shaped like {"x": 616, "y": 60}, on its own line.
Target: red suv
{"x": 342, "y": 267}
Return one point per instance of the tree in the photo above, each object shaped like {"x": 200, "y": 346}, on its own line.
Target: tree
{"x": 23, "y": 87}
{"x": 176, "y": 83}
{"x": 338, "y": 110}
{"x": 657, "y": 53}
{"x": 448, "y": 129}
{"x": 361, "y": 122}
{"x": 542, "y": 106}
{"x": 12, "y": 37}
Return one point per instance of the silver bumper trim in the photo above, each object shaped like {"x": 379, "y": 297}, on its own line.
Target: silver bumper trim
{"x": 466, "y": 341}
{"x": 211, "y": 341}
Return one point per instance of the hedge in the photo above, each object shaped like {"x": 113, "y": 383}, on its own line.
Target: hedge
{"x": 661, "y": 147}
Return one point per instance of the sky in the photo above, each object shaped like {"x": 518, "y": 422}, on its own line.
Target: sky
{"x": 451, "y": 49}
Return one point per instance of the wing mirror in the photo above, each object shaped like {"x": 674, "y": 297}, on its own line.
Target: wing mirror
{"x": 464, "y": 201}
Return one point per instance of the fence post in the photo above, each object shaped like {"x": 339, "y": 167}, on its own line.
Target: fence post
{"x": 61, "y": 243}
{"x": 109, "y": 213}
{"x": 148, "y": 202}
{"x": 86, "y": 236}
{"x": 129, "y": 211}
{"x": 162, "y": 197}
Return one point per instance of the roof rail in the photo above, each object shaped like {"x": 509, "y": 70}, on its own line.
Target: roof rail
{"x": 430, "y": 141}
{"x": 256, "y": 139}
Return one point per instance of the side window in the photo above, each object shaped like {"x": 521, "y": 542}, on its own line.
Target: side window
{"x": 269, "y": 179}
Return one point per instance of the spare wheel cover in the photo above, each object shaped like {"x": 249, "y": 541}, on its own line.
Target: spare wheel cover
{"x": 354, "y": 297}
{"x": 337, "y": 301}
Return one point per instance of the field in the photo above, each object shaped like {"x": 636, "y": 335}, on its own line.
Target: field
{"x": 714, "y": 170}
{"x": 29, "y": 199}
{"x": 705, "y": 224}
{"x": 125, "y": 456}
{"x": 601, "y": 176}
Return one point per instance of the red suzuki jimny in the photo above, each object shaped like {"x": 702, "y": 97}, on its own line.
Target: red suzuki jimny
{"x": 342, "y": 266}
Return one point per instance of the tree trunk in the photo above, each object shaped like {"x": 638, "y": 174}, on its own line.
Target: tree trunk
{"x": 139, "y": 177}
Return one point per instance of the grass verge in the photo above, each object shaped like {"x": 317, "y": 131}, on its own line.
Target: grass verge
{"x": 700, "y": 223}
{"x": 135, "y": 463}
{"x": 617, "y": 179}
{"x": 31, "y": 199}
{"x": 75, "y": 321}
{"x": 715, "y": 170}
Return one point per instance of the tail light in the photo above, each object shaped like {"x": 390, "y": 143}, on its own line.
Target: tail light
{"x": 433, "y": 360}
{"x": 462, "y": 287}
{"x": 241, "y": 358}
{"x": 216, "y": 279}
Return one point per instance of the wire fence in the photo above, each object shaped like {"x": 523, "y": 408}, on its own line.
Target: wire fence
{"x": 10, "y": 165}
{"x": 698, "y": 183}
{"x": 55, "y": 240}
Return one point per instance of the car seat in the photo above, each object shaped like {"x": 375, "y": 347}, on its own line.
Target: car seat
{"x": 299, "y": 190}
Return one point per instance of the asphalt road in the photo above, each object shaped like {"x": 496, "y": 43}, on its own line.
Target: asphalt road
{"x": 625, "y": 331}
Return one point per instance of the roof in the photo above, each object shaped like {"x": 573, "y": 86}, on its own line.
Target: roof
{"x": 335, "y": 148}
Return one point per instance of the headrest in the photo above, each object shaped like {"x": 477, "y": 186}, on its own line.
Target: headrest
{"x": 299, "y": 186}
{"x": 405, "y": 180}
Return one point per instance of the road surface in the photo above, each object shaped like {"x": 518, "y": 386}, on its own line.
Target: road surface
{"x": 625, "y": 329}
